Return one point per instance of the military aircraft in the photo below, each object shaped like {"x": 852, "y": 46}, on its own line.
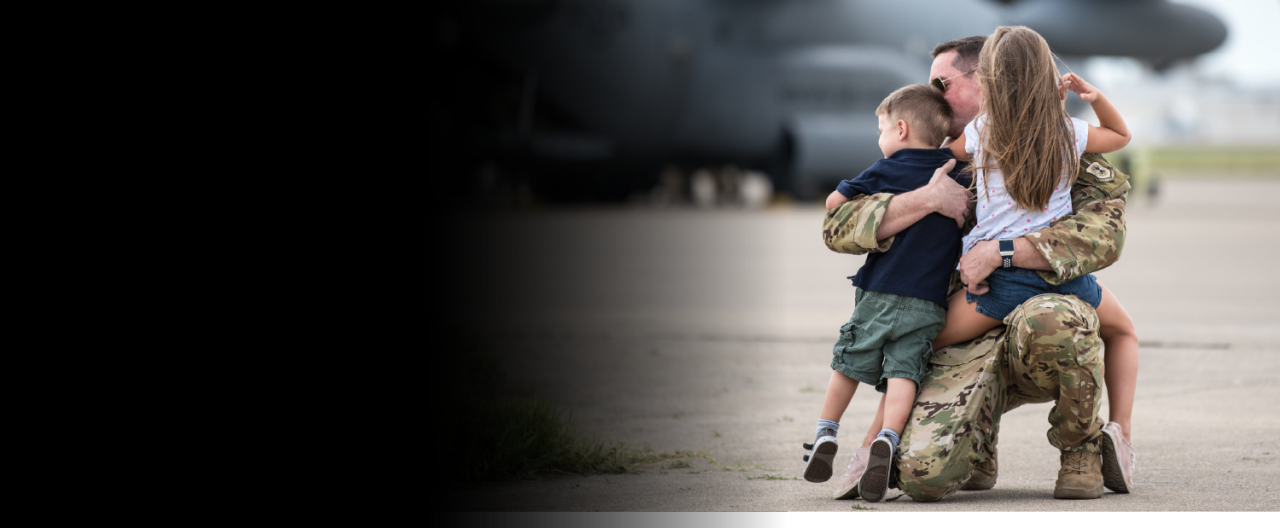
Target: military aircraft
{"x": 573, "y": 99}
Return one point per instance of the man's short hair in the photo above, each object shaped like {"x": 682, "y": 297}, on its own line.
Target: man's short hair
{"x": 967, "y": 50}
{"x": 921, "y": 106}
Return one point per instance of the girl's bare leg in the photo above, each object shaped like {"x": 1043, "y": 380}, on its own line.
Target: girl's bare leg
{"x": 876, "y": 424}
{"x": 964, "y": 323}
{"x": 840, "y": 390}
{"x": 1120, "y": 359}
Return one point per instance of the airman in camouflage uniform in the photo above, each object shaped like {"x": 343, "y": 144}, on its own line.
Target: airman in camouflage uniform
{"x": 1048, "y": 350}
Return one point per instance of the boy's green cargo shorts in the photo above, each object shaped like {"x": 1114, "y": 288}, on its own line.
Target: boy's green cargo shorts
{"x": 889, "y": 336}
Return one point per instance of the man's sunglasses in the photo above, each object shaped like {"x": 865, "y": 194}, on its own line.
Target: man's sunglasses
{"x": 941, "y": 84}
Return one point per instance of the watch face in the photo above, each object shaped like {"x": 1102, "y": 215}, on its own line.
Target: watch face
{"x": 1006, "y": 246}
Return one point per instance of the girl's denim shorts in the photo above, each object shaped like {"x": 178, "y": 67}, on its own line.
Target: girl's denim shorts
{"x": 1010, "y": 287}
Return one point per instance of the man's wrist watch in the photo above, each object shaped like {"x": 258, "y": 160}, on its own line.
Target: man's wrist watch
{"x": 1006, "y": 253}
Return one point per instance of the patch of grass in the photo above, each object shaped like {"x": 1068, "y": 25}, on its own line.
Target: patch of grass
{"x": 771, "y": 477}
{"x": 526, "y": 438}
{"x": 809, "y": 389}
{"x": 737, "y": 466}
{"x": 1213, "y": 158}
{"x": 717, "y": 433}
{"x": 1148, "y": 164}
{"x": 510, "y": 436}
{"x": 861, "y": 507}
{"x": 505, "y": 436}
{"x": 519, "y": 437}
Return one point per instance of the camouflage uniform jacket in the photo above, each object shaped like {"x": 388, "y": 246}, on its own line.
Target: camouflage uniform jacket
{"x": 1048, "y": 350}
{"x": 1076, "y": 245}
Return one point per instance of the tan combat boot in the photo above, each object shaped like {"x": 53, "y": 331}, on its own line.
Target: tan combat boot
{"x": 983, "y": 477}
{"x": 1080, "y": 476}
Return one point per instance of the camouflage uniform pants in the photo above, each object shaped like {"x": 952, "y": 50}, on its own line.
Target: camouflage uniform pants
{"x": 1048, "y": 352}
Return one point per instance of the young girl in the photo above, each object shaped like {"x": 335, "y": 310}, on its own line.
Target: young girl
{"x": 1026, "y": 151}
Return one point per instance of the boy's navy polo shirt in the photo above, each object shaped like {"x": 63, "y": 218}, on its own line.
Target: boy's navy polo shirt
{"x": 920, "y": 262}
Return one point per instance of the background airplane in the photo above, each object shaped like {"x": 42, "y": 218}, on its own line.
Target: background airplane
{"x": 591, "y": 99}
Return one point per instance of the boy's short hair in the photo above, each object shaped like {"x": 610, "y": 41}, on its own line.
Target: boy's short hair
{"x": 921, "y": 106}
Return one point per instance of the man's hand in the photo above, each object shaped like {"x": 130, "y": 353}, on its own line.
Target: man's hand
{"x": 941, "y": 195}
{"x": 978, "y": 289}
{"x": 946, "y": 196}
{"x": 977, "y": 264}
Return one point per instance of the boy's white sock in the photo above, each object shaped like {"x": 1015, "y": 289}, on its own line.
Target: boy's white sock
{"x": 891, "y": 435}
{"x": 825, "y": 424}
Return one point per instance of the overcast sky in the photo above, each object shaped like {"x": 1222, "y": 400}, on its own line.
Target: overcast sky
{"x": 1251, "y": 54}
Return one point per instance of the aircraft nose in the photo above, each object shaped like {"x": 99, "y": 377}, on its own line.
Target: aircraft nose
{"x": 1153, "y": 30}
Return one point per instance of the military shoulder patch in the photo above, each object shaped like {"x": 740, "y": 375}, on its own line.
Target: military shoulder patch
{"x": 1103, "y": 174}
{"x": 1095, "y": 171}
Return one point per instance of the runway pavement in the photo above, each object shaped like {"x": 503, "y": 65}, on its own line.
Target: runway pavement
{"x": 701, "y": 330}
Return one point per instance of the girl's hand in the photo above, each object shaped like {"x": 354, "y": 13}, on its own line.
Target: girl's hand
{"x": 1085, "y": 90}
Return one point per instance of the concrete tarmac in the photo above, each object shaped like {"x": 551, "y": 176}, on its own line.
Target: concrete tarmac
{"x": 711, "y": 331}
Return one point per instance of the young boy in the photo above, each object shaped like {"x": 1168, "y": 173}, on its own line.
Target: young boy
{"x": 901, "y": 293}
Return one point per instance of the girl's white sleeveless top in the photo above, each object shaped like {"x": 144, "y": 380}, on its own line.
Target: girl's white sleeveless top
{"x": 997, "y": 216}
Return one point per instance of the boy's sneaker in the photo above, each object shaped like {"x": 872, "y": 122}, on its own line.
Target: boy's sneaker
{"x": 1118, "y": 460}
{"x": 818, "y": 468}
{"x": 849, "y": 486}
{"x": 875, "y": 479}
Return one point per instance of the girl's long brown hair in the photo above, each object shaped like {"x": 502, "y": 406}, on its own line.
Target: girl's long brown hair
{"x": 1028, "y": 135}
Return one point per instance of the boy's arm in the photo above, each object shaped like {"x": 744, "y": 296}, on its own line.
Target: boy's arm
{"x": 1111, "y": 134}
